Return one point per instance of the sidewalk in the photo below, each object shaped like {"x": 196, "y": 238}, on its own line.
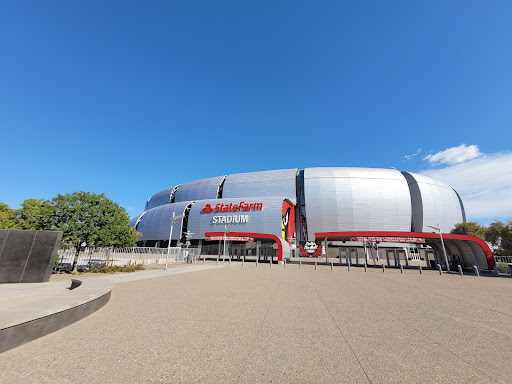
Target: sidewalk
{"x": 283, "y": 325}
{"x": 29, "y": 311}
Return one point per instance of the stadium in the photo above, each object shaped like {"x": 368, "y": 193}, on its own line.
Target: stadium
{"x": 352, "y": 215}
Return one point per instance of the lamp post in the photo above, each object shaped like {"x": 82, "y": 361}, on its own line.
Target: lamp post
{"x": 442, "y": 245}
{"x": 173, "y": 219}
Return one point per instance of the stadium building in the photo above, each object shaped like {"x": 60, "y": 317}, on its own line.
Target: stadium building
{"x": 357, "y": 215}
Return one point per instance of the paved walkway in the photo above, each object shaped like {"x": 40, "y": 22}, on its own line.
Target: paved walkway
{"x": 248, "y": 324}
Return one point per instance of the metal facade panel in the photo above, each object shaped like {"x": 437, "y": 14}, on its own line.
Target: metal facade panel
{"x": 356, "y": 199}
{"x": 268, "y": 220}
{"x": 260, "y": 184}
{"x": 160, "y": 198}
{"x": 156, "y": 223}
{"x": 198, "y": 189}
{"x": 440, "y": 203}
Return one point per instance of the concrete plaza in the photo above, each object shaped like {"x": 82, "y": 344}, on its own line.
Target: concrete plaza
{"x": 248, "y": 324}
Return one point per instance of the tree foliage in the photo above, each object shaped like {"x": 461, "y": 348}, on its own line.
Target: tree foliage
{"x": 8, "y": 218}
{"x": 470, "y": 228}
{"x": 36, "y": 214}
{"x": 500, "y": 236}
{"x": 497, "y": 234}
{"x": 93, "y": 219}
{"x": 82, "y": 216}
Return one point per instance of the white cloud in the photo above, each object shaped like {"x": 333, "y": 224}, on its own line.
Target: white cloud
{"x": 484, "y": 185}
{"x": 409, "y": 157}
{"x": 455, "y": 155}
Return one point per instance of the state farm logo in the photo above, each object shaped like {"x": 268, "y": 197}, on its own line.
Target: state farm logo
{"x": 241, "y": 207}
{"x": 207, "y": 209}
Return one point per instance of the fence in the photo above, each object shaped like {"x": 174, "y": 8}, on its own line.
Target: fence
{"x": 98, "y": 257}
{"x": 503, "y": 259}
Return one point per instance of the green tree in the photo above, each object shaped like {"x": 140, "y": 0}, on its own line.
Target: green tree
{"x": 500, "y": 236}
{"x": 93, "y": 219}
{"x": 36, "y": 214}
{"x": 8, "y": 218}
{"x": 470, "y": 228}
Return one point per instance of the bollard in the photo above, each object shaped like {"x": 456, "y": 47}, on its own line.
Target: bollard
{"x": 284, "y": 265}
{"x": 315, "y": 264}
{"x": 243, "y": 261}
{"x": 229, "y": 260}
{"x": 440, "y": 269}
{"x": 271, "y": 263}
{"x": 383, "y": 268}
{"x": 460, "y": 270}
{"x": 217, "y": 262}
{"x": 203, "y": 260}
{"x": 331, "y": 265}
{"x": 256, "y": 262}
{"x": 477, "y": 272}
{"x": 421, "y": 270}
{"x": 348, "y": 267}
{"x": 401, "y": 268}
{"x": 300, "y": 264}
{"x": 365, "y": 266}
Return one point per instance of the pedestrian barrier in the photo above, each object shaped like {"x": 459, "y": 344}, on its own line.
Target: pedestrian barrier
{"x": 91, "y": 257}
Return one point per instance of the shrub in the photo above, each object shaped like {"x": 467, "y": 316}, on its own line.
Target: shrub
{"x": 117, "y": 269}
{"x": 502, "y": 267}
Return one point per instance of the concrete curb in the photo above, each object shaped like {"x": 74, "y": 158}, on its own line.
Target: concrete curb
{"x": 29, "y": 314}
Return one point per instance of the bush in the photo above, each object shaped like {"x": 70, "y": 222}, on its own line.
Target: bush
{"x": 502, "y": 267}
{"x": 117, "y": 269}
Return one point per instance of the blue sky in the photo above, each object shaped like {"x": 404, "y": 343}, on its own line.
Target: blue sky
{"x": 130, "y": 97}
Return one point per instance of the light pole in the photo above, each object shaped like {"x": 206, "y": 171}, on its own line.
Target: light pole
{"x": 173, "y": 219}
{"x": 442, "y": 245}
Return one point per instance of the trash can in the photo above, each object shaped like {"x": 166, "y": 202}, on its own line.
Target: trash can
{"x": 510, "y": 269}
{"x": 188, "y": 257}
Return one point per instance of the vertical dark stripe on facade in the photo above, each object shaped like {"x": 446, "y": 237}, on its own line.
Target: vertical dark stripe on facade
{"x": 221, "y": 188}
{"x": 300, "y": 212}
{"x": 173, "y": 194}
{"x": 184, "y": 221}
{"x": 416, "y": 203}
{"x": 461, "y": 206}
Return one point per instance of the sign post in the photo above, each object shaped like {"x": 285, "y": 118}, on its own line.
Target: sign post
{"x": 174, "y": 218}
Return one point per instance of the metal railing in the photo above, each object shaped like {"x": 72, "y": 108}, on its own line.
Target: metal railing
{"x": 503, "y": 259}
{"x": 99, "y": 257}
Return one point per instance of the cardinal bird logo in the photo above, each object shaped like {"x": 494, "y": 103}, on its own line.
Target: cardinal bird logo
{"x": 207, "y": 209}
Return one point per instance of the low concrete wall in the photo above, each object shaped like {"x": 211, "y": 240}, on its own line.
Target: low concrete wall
{"x": 68, "y": 308}
{"x": 27, "y": 256}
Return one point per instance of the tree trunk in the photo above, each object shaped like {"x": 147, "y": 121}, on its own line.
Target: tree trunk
{"x": 75, "y": 260}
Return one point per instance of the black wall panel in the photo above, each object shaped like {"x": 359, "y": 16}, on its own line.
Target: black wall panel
{"x": 27, "y": 256}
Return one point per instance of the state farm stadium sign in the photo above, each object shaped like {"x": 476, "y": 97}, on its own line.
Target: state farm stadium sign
{"x": 377, "y": 239}
{"x": 229, "y": 238}
{"x": 234, "y": 218}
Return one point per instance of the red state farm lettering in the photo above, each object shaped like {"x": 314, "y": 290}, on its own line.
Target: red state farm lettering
{"x": 238, "y": 207}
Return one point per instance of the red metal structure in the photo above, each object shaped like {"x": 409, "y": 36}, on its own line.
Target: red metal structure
{"x": 464, "y": 244}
